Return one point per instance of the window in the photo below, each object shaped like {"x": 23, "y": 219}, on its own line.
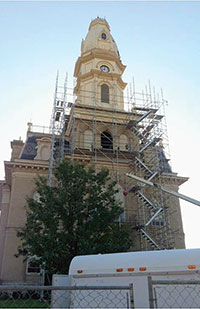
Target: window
{"x": 57, "y": 116}
{"x": 32, "y": 266}
{"x": 106, "y": 140}
{"x": 157, "y": 223}
{"x": 103, "y": 36}
{"x": 104, "y": 93}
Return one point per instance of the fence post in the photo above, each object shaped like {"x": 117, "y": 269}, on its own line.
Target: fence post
{"x": 131, "y": 296}
{"x": 140, "y": 292}
{"x": 150, "y": 287}
{"x": 61, "y": 298}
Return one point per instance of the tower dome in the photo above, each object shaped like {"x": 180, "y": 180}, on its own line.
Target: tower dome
{"x": 99, "y": 36}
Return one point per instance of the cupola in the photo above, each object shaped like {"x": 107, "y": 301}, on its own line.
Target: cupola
{"x": 99, "y": 37}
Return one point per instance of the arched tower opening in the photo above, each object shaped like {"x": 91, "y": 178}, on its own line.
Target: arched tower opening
{"x": 106, "y": 140}
{"x": 105, "y": 93}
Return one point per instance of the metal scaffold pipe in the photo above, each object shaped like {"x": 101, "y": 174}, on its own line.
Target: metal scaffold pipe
{"x": 171, "y": 192}
{"x": 51, "y": 159}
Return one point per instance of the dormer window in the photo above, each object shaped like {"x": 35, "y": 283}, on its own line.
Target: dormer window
{"x": 103, "y": 36}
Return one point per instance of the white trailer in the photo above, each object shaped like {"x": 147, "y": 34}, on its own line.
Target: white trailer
{"x": 123, "y": 269}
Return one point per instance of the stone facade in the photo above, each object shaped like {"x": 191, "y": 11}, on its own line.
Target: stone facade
{"x": 100, "y": 131}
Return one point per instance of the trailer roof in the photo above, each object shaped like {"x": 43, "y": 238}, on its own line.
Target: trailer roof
{"x": 149, "y": 261}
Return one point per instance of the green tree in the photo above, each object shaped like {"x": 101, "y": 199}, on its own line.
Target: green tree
{"x": 78, "y": 215}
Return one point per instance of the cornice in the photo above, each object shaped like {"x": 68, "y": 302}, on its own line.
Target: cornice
{"x": 24, "y": 166}
{"x": 79, "y": 111}
{"x": 100, "y": 54}
{"x": 27, "y": 164}
{"x": 79, "y": 158}
{"x": 102, "y": 160}
{"x": 96, "y": 73}
{"x": 173, "y": 178}
{"x": 89, "y": 107}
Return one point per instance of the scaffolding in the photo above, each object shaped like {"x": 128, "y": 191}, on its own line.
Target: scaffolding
{"x": 152, "y": 221}
{"x": 130, "y": 140}
{"x": 58, "y": 124}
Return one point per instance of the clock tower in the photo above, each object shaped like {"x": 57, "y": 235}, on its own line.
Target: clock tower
{"x": 99, "y": 92}
{"x": 99, "y": 69}
{"x": 102, "y": 132}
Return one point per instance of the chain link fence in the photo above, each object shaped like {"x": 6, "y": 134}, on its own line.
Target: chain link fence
{"x": 161, "y": 294}
{"x": 66, "y": 297}
{"x": 176, "y": 293}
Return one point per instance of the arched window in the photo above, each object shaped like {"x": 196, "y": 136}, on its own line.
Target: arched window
{"x": 104, "y": 93}
{"x": 106, "y": 140}
{"x": 103, "y": 36}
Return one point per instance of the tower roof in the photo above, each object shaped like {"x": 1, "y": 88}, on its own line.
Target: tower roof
{"x": 99, "y": 36}
{"x": 99, "y": 20}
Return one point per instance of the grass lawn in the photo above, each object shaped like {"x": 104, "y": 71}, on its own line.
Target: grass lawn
{"x": 29, "y": 303}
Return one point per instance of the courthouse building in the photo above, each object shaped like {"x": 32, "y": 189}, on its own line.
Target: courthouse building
{"x": 105, "y": 126}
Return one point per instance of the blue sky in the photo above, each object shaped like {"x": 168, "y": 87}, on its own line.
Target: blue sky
{"x": 159, "y": 41}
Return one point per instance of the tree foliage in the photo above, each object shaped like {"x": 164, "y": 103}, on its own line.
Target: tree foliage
{"x": 77, "y": 216}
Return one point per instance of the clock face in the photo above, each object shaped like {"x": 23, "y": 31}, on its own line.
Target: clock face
{"x": 104, "y": 68}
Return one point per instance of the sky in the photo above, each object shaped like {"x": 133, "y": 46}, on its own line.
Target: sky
{"x": 158, "y": 41}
